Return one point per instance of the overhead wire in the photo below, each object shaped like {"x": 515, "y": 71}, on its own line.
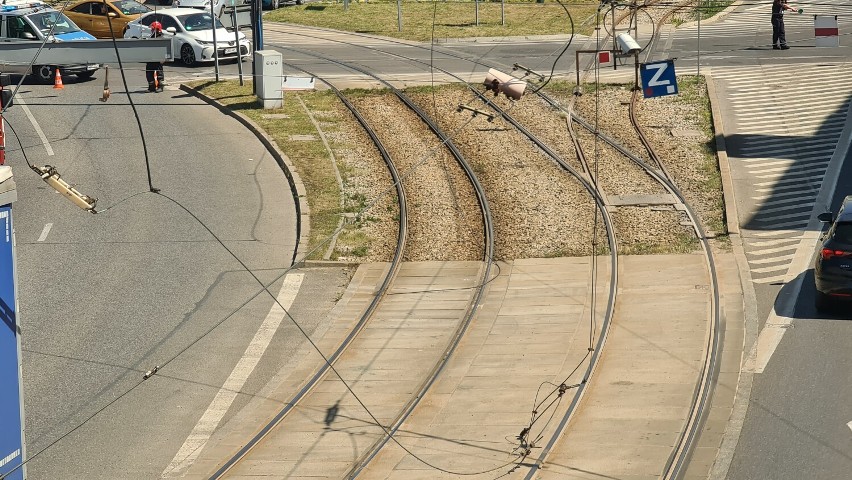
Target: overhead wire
{"x": 265, "y": 286}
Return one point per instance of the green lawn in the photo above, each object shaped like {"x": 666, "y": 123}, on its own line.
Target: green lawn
{"x": 423, "y": 21}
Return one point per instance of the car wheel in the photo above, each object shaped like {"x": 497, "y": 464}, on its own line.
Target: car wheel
{"x": 85, "y": 75}
{"x": 187, "y": 55}
{"x": 821, "y": 302}
{"x": 44, "y": 73}
{"x": 299, "y": 2}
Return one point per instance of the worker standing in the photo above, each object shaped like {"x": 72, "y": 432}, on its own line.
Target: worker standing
{"x": 154, "y": 70}
{"x": 779, "y": 39}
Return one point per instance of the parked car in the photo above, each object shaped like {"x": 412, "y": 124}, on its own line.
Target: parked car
{"x": 95, "y": 17}
{"x": 833, "y": 266}
{"x": 33, "y": 21}
{"x": 274, "y": 4}
{"x": 191, "y": 32}
{"x": 218, "y": 5}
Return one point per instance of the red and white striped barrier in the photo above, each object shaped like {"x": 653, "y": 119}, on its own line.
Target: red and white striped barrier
{"x": 826, "y": 31}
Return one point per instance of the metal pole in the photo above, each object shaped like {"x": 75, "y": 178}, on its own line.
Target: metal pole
{"x": 399, "y": 15}
{"x": 503, "y": 13}
{"x": 476, "y": 10}
{"x": 2, "y": 127}
{"x": 614, "y": 43}
{"x": 237, "y": 41}
{"x": 258, "y": 25}
{"x": 215, "y": 45}
{"x": 698, "y": 57}
{"x": 636, "y": 77}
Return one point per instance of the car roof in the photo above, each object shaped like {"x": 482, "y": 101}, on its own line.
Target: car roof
{"x": 176, "y": 11}
{"x": 845, "y": 213}
{"x": 25, "y": 8}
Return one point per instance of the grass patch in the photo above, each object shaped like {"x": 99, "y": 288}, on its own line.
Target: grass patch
{"x": 423, "y": 21}
{"x": 708, "y": 8}
{"x": 693, "y": 91}
{"x": 682, "y": 243}
{"x": 309, "y": 156}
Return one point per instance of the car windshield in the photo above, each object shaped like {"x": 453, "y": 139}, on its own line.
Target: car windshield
{"x": 44, "y": 20}
{"x": 843, "y": 233}
{"x": 199, "y": 21}
{"x": 130, "y": 7}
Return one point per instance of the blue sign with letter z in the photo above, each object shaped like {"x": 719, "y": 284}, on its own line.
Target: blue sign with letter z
{"x": 658, "y": 79}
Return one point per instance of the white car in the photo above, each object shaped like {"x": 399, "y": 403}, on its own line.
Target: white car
{"x": 191, "y": 32}
{"x": 218, "y": 5}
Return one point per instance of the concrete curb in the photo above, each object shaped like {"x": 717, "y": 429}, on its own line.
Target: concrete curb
{"x": 303, "y": 224}
{"x": 731, "y": 435}
{"x": 731, "y": 214}
{"x": 715, "y": 18}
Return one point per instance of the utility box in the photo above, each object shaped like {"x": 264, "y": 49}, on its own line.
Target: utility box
{"x": 269, "y": 70}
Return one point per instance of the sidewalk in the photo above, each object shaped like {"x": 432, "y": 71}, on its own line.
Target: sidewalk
{"x": 531, "y": 333}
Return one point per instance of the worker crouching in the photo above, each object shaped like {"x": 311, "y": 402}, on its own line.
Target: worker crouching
{"x": 154, "y": 70}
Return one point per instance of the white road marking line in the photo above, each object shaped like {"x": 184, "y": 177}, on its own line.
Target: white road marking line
{"x": 780, "y": 317}
{"x": 772, "y": 243}
{"x": 773, "y": 279}
{"x": 208, "y": 422}
{"x": 774, "y": 218}
{"x": 775, "y": 268}
{"x": 20, "y": 101}
{"x": 775, "y": 259}
{"x": 45, "y": 231}
{"x": 777, "y": 233}
{"x": 767, "y": 251}
{"x": 849, "y": 425}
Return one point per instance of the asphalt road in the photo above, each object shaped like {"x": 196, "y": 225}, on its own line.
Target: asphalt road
{"x": 146, "y": 282}
{"x": 112, "y": 295}
{"x": 799, "y": 413}
{"x": 795, "y": 425}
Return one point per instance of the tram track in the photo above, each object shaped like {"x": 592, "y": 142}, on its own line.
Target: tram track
{"x": 678, "y": 459}
{"x": 657, "y": 172}
{"x": 478, "y": 288}
{"x": 599, "y": 201}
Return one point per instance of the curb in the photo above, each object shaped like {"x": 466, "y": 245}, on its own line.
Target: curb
{"x": 303, "y": 224}
{"x": 715, "y": 18}
{"x": 731, "y": 214}
{"x": 730, "y": 436}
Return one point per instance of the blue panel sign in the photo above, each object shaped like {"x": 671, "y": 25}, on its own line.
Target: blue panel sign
{"x": 658, "y": 79}
{"x": 11, "y": 421}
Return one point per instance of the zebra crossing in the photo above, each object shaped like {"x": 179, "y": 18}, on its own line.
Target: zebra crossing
{"x": 788, "y": 140}
{"x": 756, "y": 21}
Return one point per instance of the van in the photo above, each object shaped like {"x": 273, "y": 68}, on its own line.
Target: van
{"x": 32, "y": 22}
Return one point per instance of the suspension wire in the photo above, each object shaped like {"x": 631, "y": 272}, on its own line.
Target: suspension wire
{"x": 132, "y": 105}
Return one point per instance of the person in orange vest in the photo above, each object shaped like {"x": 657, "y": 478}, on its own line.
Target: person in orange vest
{"x": 154, "y": 70}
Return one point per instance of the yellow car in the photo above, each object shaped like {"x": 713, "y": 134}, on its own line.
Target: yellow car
{"x": 94, "y": 16}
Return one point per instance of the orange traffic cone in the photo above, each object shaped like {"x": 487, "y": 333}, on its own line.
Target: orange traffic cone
{"x": 57, "y": 84}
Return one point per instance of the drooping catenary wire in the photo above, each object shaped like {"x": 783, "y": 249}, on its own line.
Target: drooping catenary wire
{"x": 265, "y": 289}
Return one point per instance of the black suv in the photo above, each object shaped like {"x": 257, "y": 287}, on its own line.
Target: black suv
{"x": 833, "y": 267}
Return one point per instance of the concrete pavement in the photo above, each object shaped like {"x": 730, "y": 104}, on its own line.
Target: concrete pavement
{"x": 532, "y": 331}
